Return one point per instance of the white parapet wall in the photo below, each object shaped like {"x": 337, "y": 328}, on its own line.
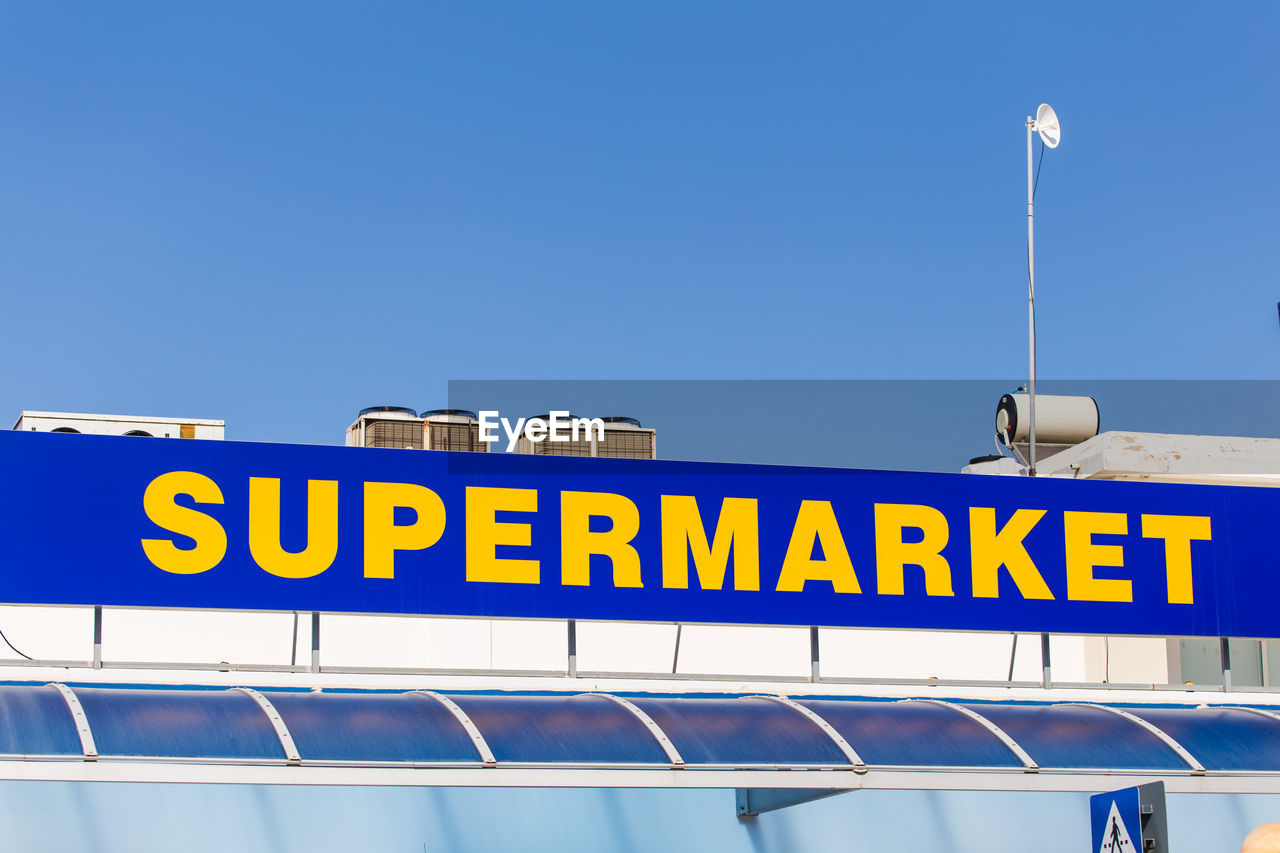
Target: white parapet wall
{"x": 131, "y": 425}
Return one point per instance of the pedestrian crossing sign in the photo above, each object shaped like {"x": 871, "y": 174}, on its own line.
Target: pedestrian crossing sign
{"x": 1131, "y": 820}
{"x": 1115, "y": 834}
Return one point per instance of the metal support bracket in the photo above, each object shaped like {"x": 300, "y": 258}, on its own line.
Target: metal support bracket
{"x": 815, "y": 655}
{"x": 277, "y": 722}
{"x": 1224, "y": 646}
{"x": 1046, "y": 663}
{"x": 97, "y": 637}
{"x": 477, "y": 739}
{"x": 572, "y": 669}
{"x": 753, "y": 801}
{"x": 315, "y": 642}
{"x": 87, "y": 746}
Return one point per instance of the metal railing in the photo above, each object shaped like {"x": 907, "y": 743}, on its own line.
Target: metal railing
{"x": 572, "y": 669}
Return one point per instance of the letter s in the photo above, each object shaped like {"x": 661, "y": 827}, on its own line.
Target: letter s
{"x": 160, "y": 506}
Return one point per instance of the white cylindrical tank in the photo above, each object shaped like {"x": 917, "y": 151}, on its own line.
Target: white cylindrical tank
{"x": 1059, "y": 419}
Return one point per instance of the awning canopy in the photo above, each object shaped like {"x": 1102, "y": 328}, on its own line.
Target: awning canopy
{"x": 56, "y": 731}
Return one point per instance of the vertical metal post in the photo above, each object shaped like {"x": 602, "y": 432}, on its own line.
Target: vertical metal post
{"x": 315, "y": 642}
{"x": 1225, "y": 645}
{"x": 1046, "y": 667}
{"x": 97, "y": 637}
{"x": 675, "y": 655}
{"x": 1031, "y": 303}
{"x": 815, "y": 658}
{"x": 573, "y": 648}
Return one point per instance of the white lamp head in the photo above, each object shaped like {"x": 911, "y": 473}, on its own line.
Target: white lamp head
{"x": 1048, "y": 127}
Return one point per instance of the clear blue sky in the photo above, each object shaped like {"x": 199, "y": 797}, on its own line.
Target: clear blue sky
{"x": 278, "y": 213}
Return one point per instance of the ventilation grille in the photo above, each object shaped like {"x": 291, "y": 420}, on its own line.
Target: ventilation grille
{"x": 547, "y": 447}
{"x": 626, "y": 444}
{"x": 393, "y": 434}
{"x": 460, "y": 437}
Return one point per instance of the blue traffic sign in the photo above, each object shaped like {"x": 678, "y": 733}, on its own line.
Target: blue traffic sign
{"x": 1131, "y": 820}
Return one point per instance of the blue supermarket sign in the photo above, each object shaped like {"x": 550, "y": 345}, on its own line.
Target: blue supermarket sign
{"x": 209, "y": 524}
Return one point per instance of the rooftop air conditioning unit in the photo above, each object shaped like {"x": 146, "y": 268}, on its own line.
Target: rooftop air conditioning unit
{"x": 453, "y": 429}
{"x": 386, "y": 426}
{"x": 624, "y": 438}
{"x": 583, "y": 445}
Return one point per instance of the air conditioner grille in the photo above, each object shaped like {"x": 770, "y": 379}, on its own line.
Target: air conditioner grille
{"x": 394, "y": 434}
{"x": 581, "y": 447}
{"x": 462, "y": 437}
{"x": 626, "y": 444}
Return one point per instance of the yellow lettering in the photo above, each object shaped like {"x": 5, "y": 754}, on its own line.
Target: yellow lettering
{"x": 485, "y": 533}
{"x": 816, "y": 522}
{"x": 1177, "y": 531}
{"x": 682, "y": 532}
{"x": 383, "y": 537}
{"x": 893, "y": 554}
{"x": 159, "y": 504}
{"x": 991, "y": 550}
{"x": 578, "y": 542}
{"x": 264, "y": 528}
{"x": 1083, "y": 556}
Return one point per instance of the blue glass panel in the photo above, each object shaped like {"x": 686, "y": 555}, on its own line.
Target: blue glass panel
{"x": 36, "y": 721}
{"x": 741, "y": 732}
{"x": 1079, "y": 737}
{"x": 373, "y": 727}
{"x": 554, "y": 729}
{"x": 181, "y": 723}
{"x": 914, "y": 734}
{"x": 1221, "y": 738}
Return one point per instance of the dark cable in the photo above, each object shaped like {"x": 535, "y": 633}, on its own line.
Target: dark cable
{"x": 10, "y": 645}
{"x": 1036, "y": 183}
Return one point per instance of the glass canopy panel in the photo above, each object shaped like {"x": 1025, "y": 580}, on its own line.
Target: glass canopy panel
{"x": 36, "y": 721}
{"x": 404, "y": 727}
{"x": 914, "y": 734}
{"x": 179, "y": 723}
{"x": 1221, "y": 738}
{"x": 1074, "y": 736}
{"x": 741, "y": 732}
{"x": 582, "y": 729}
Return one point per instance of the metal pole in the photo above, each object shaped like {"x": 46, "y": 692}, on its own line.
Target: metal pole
{"x": 815, "y": 659}
{"x": 315, "y": 642}
{"x": 675, "y": 656}
{"x": 573, "y": 648}
{"x": 1225, "y": 645}
{"x": 1031, "y": 302}
{"x": 1046, "y": 667}
{"x": 1013, "y": 655}
{"x": 97, "y": 637}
